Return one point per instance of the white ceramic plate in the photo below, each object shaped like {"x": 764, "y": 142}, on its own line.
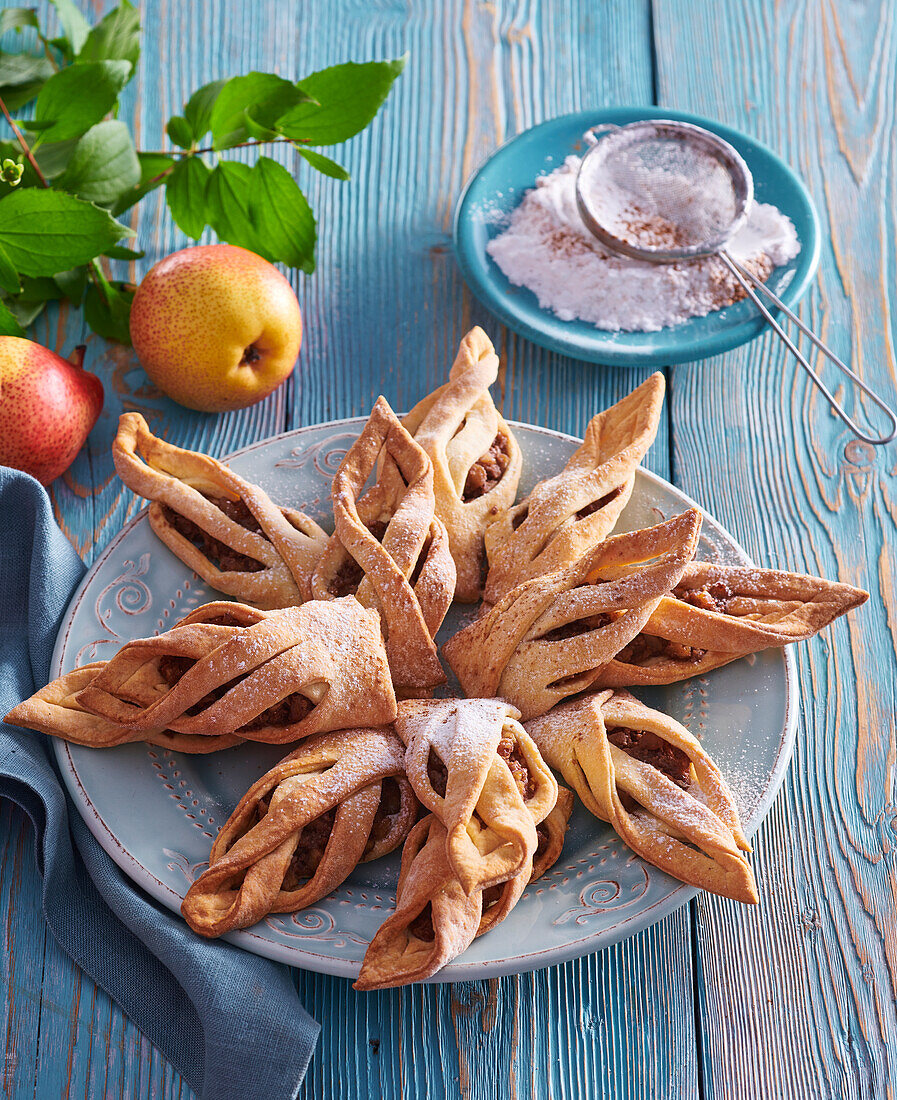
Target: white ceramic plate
{"x": 156, "y": 812}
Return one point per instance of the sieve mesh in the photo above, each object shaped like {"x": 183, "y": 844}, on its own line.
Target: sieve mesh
{"x": 663, "y": 188}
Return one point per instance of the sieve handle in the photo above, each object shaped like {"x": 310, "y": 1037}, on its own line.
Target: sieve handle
{"x": 745, "y": 278}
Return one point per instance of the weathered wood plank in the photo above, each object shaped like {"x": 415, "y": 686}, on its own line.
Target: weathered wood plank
{"x": 797, "y": 998}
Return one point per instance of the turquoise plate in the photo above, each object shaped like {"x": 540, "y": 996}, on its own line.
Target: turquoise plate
{"x": 498, "y": 187}
{"x": 156, "y": 812}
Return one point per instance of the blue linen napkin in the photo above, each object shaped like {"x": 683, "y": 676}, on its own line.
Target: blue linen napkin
{"x": 230, "y": 1022}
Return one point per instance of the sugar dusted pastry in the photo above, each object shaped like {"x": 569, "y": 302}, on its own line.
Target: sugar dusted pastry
{"x": 221, "y": 526}
{"x": 55, "y": 710}
{"x": 229, "y": 671}
{"x": 435, "y": 918}
{"x": 389, "y": 549}
{"x": 476, "y": 459}
{"x": 647, "y": 776}
{"x": 473, "y": 765}
{"x": 718, "y": 613}
{"x": 568, "y": 514}
{"x": 550, "y": 637}
{"x": 339, "y": 800}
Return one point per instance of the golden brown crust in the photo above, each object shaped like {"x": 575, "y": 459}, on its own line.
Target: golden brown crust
{"x": 407, "y": 573}
{"x": 551, "y": 833}
{"x": 263, "y": 862}
{"x": 490, "y": 823}
{"x": 229, "y": 671}
{"x": 566, "y": 515}
{"x": 402, "y": 951}
{"x": 458, "y": 425}
{"x": 192, "y": 492}
{"x": 551, "y": 636}
{"x": 690, "y": 829}
{"x": 55, "y": 710}
{"x": 718, "y": 613}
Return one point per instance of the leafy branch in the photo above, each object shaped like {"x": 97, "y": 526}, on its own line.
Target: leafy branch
{"x": 71, "y": 168}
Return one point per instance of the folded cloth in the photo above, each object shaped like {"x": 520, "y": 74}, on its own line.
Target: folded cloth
{"x": 230, "y": 1022}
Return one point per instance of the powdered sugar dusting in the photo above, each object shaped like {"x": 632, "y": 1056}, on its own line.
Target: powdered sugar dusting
{"x": 548, "y": 249}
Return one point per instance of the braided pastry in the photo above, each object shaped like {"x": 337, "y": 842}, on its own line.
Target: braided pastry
{"x": 228, "y": 671}
{"x": 647, "y": 776}
{"x": 224, "y": 528}
{"x": 339, "y": 800}
{"x": 389, "y": 549}
{"x": 566, "y": 515}
{"x": 718, "y": 613}
{"x": 476, "y": 459}
{"x": 551, "y": 636}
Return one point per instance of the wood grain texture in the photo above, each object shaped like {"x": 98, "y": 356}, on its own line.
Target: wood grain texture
{"x": 798, "y": 998}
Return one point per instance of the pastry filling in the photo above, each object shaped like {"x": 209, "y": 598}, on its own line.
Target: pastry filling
{"x": 390, "y": 805}
{"x": 422, "y": 925}
{"x": 437, "y": 773}
{"x": 596, "y": 505}
{"x": 646, "y": 648}
{"x": 509, "y": 751}
{"x": 714, "y": 597}
{"x": 310, "y": 847}
{"x": 488, "y": 470}
{"x": 222, "y": 556}
{"x": 651, "y": 749}
{"x": 286, "y": 712}
{"x": 348, "y": 577}
{"x": 578, "y": 626}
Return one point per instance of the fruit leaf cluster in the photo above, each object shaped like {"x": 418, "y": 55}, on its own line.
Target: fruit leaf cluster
{"x": 69, "y": 168}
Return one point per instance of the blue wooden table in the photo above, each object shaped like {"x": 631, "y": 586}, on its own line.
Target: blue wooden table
{"x": 795, "y": 998}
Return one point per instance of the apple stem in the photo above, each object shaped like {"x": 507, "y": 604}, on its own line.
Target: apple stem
{"x": 77, "y": 356}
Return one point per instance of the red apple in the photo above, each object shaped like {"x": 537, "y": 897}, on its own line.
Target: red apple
{"x": 47, "y": 407}
{"x": 216, "y": 327}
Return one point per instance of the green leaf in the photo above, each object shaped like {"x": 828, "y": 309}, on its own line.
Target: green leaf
{"x": 34, "y": 126}
{"x": 9, "y": 326}
{"x": 72, "y": 284}
{"x": 115, "y": 38}
{"x": 281, "y": 216}
{"x": 103, "y": 166}
{"x": 13, "y": 19}
{"x": 153, "y": 167}
{"x": 348, "y": 96}
{"x": 44, "y": 232}
{"x": 78, "y": 96}
{"x": 16, "y": 97}
{"x": 17, "y": 69}
{"x": 265, "y": 94}
{"x": 53, "y": 157}
{"x": 9, "y": 277}
{"x": 227, "y": 205}
{"x": 180, "y": 131}
{"x": 74, "y": 26}
{"x": 261, "y": 119}
{"x": 109, "y": 316}
{"x": 119, "y": 252}
{"x": 198, "y": 108}
{"x": 324, "y": 164}
{"x": 185, "y": 193}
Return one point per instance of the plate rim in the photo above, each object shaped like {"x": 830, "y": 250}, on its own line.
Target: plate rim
{"x": 603, "y": 353}
{"x": 457, "y": 970}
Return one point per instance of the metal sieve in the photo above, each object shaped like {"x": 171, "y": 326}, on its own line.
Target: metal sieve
{"x": 666, "y": 192}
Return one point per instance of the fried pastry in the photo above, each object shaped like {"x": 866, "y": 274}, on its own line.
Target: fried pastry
{"x": 647, "y": 776}
{"x": 229, "y": 671}
{"x": 473, "y": 765}
{"x": 718, "y": 613}
{"x": 566, "y": 515}
{"x": 339, "y": 800}
{"x": 55, "y": 710}
{"x": 550, "y": 637}
{"x": 476, "y": 459}
{"x": 221, "y": 526}
{"x": 389, "y": 549}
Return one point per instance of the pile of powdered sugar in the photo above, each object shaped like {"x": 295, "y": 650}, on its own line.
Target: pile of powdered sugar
{"x": 547, "y": 249}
